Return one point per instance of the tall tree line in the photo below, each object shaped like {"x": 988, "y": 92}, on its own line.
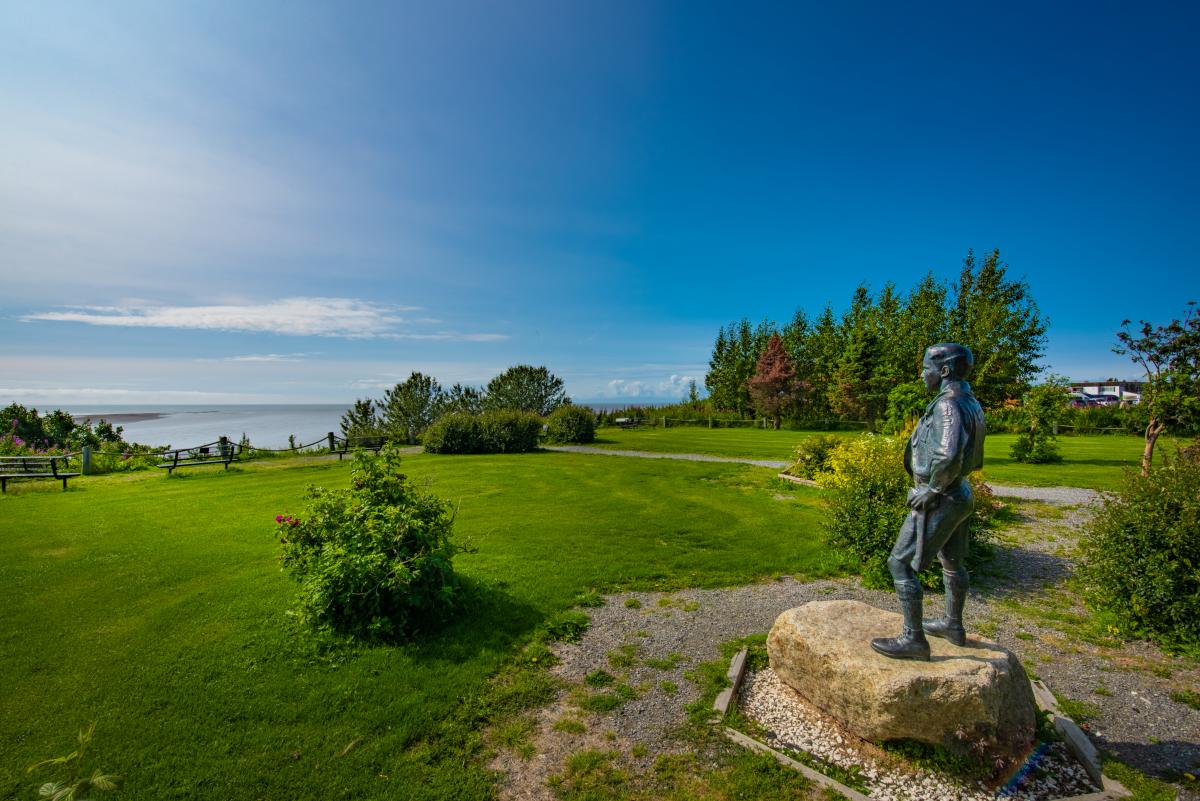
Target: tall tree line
{"x": 863, "y": 364}
{"x": 410, "y": 407}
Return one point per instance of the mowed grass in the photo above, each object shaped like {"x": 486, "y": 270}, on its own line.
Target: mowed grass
{"x": 745, "y": 443}
{"x": 1097, "y": 461}
{"x": 155, "y": 606}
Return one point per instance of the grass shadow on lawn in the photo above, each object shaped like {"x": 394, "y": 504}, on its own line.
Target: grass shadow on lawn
{"x": 487, "y": 618}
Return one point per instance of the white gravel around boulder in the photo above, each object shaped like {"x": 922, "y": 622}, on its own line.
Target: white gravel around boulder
{"x": 792, "y": 724}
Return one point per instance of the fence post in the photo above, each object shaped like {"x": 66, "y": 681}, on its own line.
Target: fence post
{"x": 223, "y": 446}
{"x": 85, "y": 458}
{"x": 331, "y": 446}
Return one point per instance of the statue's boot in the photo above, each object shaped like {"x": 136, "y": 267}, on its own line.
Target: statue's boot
{"x": 950, "y": 627}
{"x": 911, "y": 644}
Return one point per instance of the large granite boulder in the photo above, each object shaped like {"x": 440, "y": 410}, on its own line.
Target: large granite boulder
{"x": 977, "y": 695}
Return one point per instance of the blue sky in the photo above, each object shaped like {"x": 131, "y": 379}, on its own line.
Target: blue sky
{"x": 292, "y": 202}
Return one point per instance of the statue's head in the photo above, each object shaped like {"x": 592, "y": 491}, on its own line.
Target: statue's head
{"x": 946, "y": 361}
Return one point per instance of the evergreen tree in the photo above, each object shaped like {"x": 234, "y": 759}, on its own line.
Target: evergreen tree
{"x": 1001, "y": 324}
{"x": 526, "y": 388}
{"x": 822, "y": 353}
{"x": 858, "y": 390}
{"x": 797, "y": 339}
{"x": 360, "y": 420}
{"x": 773, "y": 386}
{"x": 731, "y": 367}
{"x": 923, "y": 322}
{"x": 467, "y": 400}
{"x": 721, "y": 378}
{"x": 409, "y": 408}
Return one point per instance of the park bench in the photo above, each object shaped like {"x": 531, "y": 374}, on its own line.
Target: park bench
{"x": 34, "y": 467}
{"x": 220, "y": 452}
{"x": 344, "y": 446}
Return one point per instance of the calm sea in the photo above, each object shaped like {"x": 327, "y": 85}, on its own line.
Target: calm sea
{"x": 267, "y": 426}
{"x": 181, "y": 426}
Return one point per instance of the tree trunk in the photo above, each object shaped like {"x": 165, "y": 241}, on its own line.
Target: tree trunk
{"x": 1152, "y": 431}
{"x": 776, "y": 421}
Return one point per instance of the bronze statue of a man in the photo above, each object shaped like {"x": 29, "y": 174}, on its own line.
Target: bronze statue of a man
{"x": 945, "y": 448}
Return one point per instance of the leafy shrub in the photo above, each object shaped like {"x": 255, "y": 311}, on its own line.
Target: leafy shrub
{"x": 509, "y": 431}
{"x": 905, "y": 403}
{"x": 454, "y": 433}
{"x": 571, "y": 424}
{"x": 490, "y": 432}
{"x": 124, "y": 457}
{"x": 811, "y": 457}
{"x": 867, "y": 504}
{"x": 25, "y": 432}
{"x": 1141, "y": 554}
{"x": 1043, "y": 409}
{"x": 373, "y": 560}
{"x": 1034, "y": 449}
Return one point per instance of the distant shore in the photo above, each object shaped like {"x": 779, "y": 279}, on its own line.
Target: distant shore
{"x": 125, "y": 417}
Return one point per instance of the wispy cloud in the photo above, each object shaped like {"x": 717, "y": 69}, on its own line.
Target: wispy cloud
{"x": 105, "y": 395}
{"x": 300, "y": 316}
{"x": 449, "y": 336}
{"x": 270, "y": 357}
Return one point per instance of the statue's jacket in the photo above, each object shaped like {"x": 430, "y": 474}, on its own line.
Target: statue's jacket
{"x": 947, "y": 444}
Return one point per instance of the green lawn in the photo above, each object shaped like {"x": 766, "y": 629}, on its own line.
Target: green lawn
{"x": 1093, "y": 461}
{"x": 748, "y": 443}
{"x": 155, "y": 606}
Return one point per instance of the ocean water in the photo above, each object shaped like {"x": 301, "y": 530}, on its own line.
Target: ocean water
{"x": 267, "y": 426}
{"x": 183, "y": 426}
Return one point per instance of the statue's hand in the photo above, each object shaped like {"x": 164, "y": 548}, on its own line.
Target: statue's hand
{"x": 922, "y": 498}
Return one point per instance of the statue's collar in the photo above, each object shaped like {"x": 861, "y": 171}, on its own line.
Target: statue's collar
{"x": 950, "y": 389}
{"x": 954, "y": 387}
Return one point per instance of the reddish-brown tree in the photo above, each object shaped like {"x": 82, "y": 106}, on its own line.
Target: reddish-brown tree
{"x": 774, "y": 386}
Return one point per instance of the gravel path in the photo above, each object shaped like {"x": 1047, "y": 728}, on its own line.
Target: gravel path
{"x": 685, "y": 457}
{"x": 648, "y": 641}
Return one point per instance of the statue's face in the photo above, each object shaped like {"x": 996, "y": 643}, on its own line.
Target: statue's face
{"x": 931, "y": 374}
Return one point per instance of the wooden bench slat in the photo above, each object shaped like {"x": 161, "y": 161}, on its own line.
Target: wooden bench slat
{"x": 33, "y": 467}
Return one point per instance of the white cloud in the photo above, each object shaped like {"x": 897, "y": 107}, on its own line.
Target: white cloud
{"x": 271, "y": 357}
{"x": 300, "y": 316}
{"x": 449, "y": 336}
{"x": 674, "y": 387}
{"x": 628, "y": 389}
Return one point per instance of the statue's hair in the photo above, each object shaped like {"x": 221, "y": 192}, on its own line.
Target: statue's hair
{"x": 953, "y": 355}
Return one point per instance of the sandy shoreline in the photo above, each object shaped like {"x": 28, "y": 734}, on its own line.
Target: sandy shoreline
{"x": 127, "y": 417}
